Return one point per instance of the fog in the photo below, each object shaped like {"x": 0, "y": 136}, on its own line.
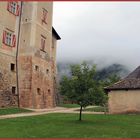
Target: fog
{"x": 105, "y": 32}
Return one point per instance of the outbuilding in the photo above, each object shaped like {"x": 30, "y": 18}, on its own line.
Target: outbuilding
{"x": 124, "y": 96}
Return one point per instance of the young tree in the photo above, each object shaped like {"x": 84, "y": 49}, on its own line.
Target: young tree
{"x": 81, "y": 88}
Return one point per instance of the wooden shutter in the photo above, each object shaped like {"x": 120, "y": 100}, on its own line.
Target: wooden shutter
{"x": 42, "y": 44}
{"x": 4, "y": 37}
{"x": 45, "y": 16}
{"x": 9, "y": 6}
{"x": 18, "y": 10}
{"x": 13, "y": 41}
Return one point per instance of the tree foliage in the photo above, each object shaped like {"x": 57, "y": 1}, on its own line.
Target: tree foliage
{"x": 111, "y": 80}
{"x": 81, "y": 88}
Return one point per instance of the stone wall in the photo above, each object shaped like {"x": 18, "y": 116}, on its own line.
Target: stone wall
{"x": 36, "y": 83}
{"x": 7, "y": 81}
{"x": 36, "y": 68}
{"x": 25, "y": 81}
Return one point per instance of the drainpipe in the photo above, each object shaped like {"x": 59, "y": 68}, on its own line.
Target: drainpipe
{"x": 17, "y": 51}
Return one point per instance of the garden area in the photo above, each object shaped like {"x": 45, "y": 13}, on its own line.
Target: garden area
{"x": 12, "y": 110}
{"x": 65, "y": 125}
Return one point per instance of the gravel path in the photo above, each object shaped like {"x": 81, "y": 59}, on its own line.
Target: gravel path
{"x": 47, "y": 111}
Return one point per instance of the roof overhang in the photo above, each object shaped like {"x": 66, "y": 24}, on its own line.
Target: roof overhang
{"x": 115, "y": 89}
{"x": 55, "y": 34}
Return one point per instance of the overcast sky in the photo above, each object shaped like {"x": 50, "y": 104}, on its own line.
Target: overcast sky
{"x": 106, "y": 32}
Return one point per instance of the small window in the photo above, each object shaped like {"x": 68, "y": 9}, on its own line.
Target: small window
{"x": 44, "y": 16}
{"x": 9, "y": 38}
{"x": 49, "y": 90}
{"x": 13, "y": 8}
{"x": 55, "y": 79}
{"x": 47, "y": 71}
{"x": 13, "y": 90}
{"x": 36, "y": 68}
{"x": 38, "y": 91}
{"x": 43, "y": 41}
{"x": 12, "y": 67}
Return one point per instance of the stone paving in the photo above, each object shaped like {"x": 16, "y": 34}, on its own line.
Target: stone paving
{"x": 47, "y": 111}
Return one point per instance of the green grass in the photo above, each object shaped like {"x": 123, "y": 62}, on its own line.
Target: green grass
{"x": 69, "y": 105}
{"x": 6, "y": 111}
{"x": 96, "y": 109}
{"x": 67, "y": 126}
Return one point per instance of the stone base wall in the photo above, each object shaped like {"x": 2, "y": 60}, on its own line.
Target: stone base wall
{"x": 25, "y": 79}
{"x": 7, "y": 81}
{"x": 42, "y": 84}
{"x": 36, "y": 83}
{"x": 124, "y": 101}
{"x": 7, "y": 99}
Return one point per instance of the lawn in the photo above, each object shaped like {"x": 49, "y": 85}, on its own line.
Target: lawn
{"x": 96, "y": 109}
{"x": 62, "y": 125}
{"x": 69, "y": 105}
{"x": 5, "y": 111}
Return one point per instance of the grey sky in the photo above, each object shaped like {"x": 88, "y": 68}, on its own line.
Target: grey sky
{"x": 105, "y": 32}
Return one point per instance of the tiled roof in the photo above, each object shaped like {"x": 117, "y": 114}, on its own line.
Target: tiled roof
{"x": 132, "y": 81}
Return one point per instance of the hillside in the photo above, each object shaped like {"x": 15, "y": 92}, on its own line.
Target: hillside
{"x": 102, "y": 73}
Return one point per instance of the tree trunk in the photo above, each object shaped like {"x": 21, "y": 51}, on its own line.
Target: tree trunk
{"x": 80, "y": 115}
{"x": 105, "y": 112}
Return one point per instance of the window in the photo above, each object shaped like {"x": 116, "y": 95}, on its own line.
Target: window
{"x": 13, "y": 8}
{"x": 44, "y": 16}
{"x": 38, "y": 91}
{"x": 9, "y": 38}
{"x": 43, "y": 41}
{"x": 36, "y": 68}
{"x": 13, "y": 90}
{"x": 12, "y": 67}
{"x": 47, "y": 71}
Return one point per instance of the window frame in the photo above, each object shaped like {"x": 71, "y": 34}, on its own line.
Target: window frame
{"x": 14, "y": 90}
{"x": 36, "y": 68}
{"x": 44, "y": 15}
{"x": 13, "y": 7}
{"x": 9, "y": 38}
{"x": 12, "y": 67}
{"x": 43, "y": 43}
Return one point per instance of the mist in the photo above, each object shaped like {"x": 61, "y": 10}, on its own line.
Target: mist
{"x": 103, "y": 32}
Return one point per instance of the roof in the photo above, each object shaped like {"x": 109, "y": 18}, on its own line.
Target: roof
{"x": 132, "y": 81}
{"x": 55, "y": 34}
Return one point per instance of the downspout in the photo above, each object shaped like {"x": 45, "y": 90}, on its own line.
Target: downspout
{"x": 17, "y": 51}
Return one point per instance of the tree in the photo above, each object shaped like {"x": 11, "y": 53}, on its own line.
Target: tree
{"x": 111, "y": 80}
{"x": 81, "y": 88}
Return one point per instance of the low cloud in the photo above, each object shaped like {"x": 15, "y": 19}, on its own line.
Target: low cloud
{"x": 100, "y": 31}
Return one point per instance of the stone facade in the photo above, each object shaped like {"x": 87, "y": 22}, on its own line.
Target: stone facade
{"x": 32, "y": 83}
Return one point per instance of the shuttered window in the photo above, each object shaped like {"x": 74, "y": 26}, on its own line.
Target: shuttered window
{"x": 9, "y": 38}
{"x": 43, "y": 42}
{"x": 44, "y": 16}
{"x": 13, "y": 8}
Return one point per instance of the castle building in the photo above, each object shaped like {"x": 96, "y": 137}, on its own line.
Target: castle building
{"x": 27, "y": 55}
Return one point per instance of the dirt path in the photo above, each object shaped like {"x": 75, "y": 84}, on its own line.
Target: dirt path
{"x": 47, "y": 111}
